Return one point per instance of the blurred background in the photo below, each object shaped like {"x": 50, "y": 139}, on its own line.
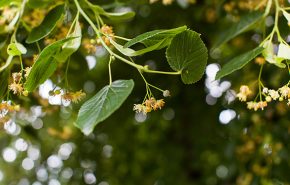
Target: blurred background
{"x": 202, "y": 136}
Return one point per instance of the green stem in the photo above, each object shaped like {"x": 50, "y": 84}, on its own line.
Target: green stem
{"x": 259, "y": 79}
{"x": 140, "y": 67}
{"x": 110, "y": 72}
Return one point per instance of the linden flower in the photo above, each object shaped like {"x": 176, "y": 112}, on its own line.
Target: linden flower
{"x": 159, "y": 104}
{"x": 139, "y": 108}
{"x": 75, "y": 97}
{"x": 244, "y": 93}
{"x": 16, "y": 88}
{"x": 27, "y": 71}
{"x": 108, "y": 31}
{"x": 284, "y": 91}
{"x": 17, "y": 77}
{"x": 274, "y": 94}
{"x": 256, "y": 105}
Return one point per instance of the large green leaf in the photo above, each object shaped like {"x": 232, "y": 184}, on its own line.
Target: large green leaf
{"x": 71, "y": 46}
{"x": 103, "y": 104}
{"x": 244, "y": 24}
{"x": 47, "y": 25}
{"x": 153, "y": 37}
{"x": 45, "y": 65}
{"x": 239, "y": 62}
{"x": 188, "y": 54}
{"x": 4, "y": 76}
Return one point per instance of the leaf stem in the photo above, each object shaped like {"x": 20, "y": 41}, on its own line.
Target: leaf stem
{"x": 140, "y": 67}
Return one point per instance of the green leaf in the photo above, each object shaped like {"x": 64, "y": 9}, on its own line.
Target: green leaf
{"x": 71, "y": 46}
{"x": 44, "y": 66}
{"x": 16, "y": 49}
{"x": 122, "y": 16}
{"x": 130, "y": 52}
{"x": 188, "y": 54}
{"x": 103, "y": 104}
{"x": 4, "y": 76}
{"x": 114, "y": 16}
{"x": 47, "y": 25}
{"x": 152, "y": 37}
{"x": 244, "y": 24}
{"x": 8, "y": 2}
{"x": 238, "y": 62}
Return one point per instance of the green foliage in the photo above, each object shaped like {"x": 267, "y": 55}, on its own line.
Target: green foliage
{"x": 71, "y": 46}
{"x": 239, "y": 62}
{"x": 189, "y": 58}
{"x": 246, "y": 23}
{"x": 153, "y": 37}
{"x": 4, "y": 76}
{"x": 103, "y": 104}
{"x": 45, "y": 65}
{"x": 47, "y": 25}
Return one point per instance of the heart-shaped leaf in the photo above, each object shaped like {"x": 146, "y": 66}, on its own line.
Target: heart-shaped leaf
{"x": 188, "y": 54}
{"x": 103, "y": 104}
{"x": 47, "y": 25}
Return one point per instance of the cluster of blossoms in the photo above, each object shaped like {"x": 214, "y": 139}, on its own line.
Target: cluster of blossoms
{"x": 74, "y": 97}
{"x": 5, "y": 108}
{"x": 283, "y": 93}
{"x": 17, "y": 83}
{"x": 6, "y": 16}
{"x": 90, "y": 44}
{"x": 61, "y": 33}
{"x": 34, "y": 17}
{"x": 149, "y": 105}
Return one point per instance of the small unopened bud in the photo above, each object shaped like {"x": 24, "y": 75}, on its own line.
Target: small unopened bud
{"x": 281, "y": 99}
{"x": 268, "y": 99}
{"x": 57, "y": 92}
{"x": 25, "y": 93}
{"x": 166, "y": 93}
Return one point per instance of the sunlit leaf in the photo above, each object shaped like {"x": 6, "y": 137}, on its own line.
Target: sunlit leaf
{"x": 103, "y": 104}
{"x": 238, "y": 62}
{"x": 47, "y": 25}
{"x": 130, "y": 52}
{"x": 71, "y": 46}
{"x": 188, "y": 54}
{"x": 153, "y": 37}
{"x": 45, "y": 65}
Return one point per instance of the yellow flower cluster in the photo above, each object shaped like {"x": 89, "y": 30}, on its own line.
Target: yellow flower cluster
{"x": 7, "y": 14}
{"x": 231, "y": 6}
{"x": 5, "y": 108}
{"x": 74, "y": 97}
{"x": 283, "y": 93}
{"x": 17, "y": 83}
{"x": 149, "y": 105}
{"x": 244, "y": 93}
{"x": 108, "y": 34}
{"x": 34, "y": 17}
{"x": 61, "y": 33}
